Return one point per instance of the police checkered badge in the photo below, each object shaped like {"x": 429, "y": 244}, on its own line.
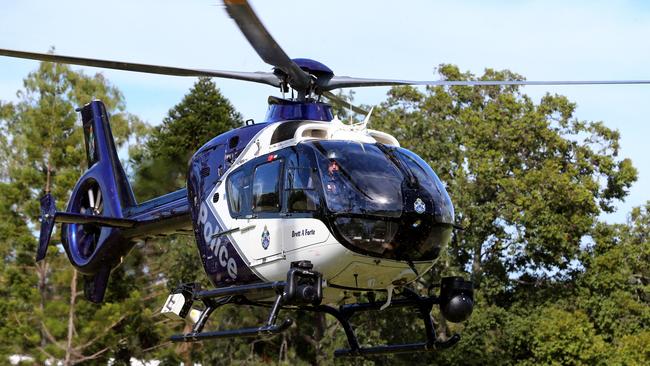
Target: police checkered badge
{"x": 419, "y": 206}
{"x": 266, "y": 238}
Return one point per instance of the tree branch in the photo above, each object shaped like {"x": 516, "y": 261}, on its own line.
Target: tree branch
{"x": 50, "y": 337}
{"x": 46, "y": 353}
{"x": 91, "y": 357}
{"x": 156, "y": 346}
{"x": 99, "y": 336}
{"x": 153, "y": 295}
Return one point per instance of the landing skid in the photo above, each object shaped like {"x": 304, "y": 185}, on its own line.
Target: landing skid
{"x": 213, "y": 299}
{"x": 424, "y": 306}
{"x": 302, "y": 291}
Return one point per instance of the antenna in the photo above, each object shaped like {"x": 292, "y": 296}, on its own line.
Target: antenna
{"x": 350, "y": 110}
{"x": 364, "y": 123}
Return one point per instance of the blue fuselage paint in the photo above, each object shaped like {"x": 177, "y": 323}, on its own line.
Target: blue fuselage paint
{"x": 171, "y": 213}
{"x": 105, "y": 171}
{"x": 222, "y": 262}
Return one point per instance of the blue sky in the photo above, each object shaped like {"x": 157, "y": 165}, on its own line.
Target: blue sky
{"x": 542, "y": 40}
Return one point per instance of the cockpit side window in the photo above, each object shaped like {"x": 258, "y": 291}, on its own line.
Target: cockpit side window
{"x": 299, "y": 178}
{"x": 266, "y": 187}
{"x": 299, "y": 185}
{"x": 238, "y": 191}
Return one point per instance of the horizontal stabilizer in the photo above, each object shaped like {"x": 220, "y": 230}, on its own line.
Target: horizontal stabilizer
{"x": 49, "y": 217}
{"x": 77, "y": 218}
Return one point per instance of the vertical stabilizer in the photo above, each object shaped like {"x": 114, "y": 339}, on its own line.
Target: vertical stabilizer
{"x": 103, "y": 190}
{"x": 100, "y": 148}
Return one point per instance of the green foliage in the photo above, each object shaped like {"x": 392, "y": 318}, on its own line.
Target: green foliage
{"x": 525, "y": 177}
{"x": 560, "y": 337}
{"x": 43, "y": 150}
{"x": 632, "y": 349}
{"x": 528, "y": 180}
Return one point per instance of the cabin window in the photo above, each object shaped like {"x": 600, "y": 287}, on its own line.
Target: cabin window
{"x": 238, "y": 189}
{"x": 266, "y": 187}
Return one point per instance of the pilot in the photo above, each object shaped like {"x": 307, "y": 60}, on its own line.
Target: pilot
{"x": 338, "y": 194}
{"x": 332, "y": 176}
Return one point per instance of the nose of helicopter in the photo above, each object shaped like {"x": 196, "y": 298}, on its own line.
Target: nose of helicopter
{"x": 414, "y": 236}
{"x": 384, "y": 201}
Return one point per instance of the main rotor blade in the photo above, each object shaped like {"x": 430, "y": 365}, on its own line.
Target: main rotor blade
{"x": 343, "y": 103}
{"x": 258, "y": 77}
{"x": 265, "y": 46}
{"x": 351, "y": 82}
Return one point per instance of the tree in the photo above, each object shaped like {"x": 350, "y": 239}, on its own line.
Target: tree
{"x": 159, "y": 168}
{"x": 202, "y": 115}
{"x": 615, "y": 286}
{"x": 528, "y": 181}
{"x": 525, "y": 178}
{"x": 43, "y": 151}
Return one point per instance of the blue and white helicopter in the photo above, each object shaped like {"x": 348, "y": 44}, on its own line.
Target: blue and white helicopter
{"x": 292, "y": 213}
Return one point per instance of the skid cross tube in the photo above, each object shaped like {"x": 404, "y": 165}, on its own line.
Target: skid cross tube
{"x": 242, "y": 332}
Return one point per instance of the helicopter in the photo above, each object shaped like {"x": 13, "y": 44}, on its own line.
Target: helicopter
{"x": 292, "y": 213}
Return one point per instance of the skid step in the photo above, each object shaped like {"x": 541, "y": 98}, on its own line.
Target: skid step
{"x": 243, "y": 332}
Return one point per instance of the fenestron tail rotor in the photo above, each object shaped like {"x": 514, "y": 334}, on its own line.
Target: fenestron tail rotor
{"x": 87, "y": 235}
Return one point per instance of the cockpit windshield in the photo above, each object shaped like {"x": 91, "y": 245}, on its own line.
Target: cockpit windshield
{"x": 358, "y": 179}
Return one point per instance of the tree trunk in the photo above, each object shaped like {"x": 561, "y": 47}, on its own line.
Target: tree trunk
{"x": 185, "y": 349}
{"x": 73, "y": 297}
{"x": 319, "y": 334}
{"x": 41, "y": 272}
{"x": 477, "y": 270}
